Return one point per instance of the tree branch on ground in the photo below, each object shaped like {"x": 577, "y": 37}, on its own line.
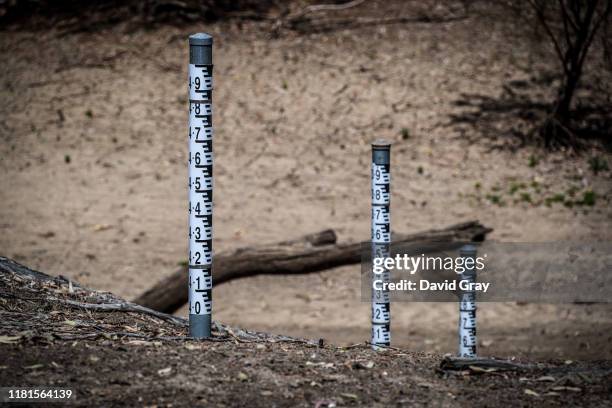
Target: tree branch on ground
{"x": 313, "y": 253}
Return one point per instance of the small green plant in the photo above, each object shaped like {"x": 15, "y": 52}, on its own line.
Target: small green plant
{"x": 588, "y": 198}
{"x": 536, "y": 186}
{"x": 89, "y": 113}
{"x": 533, "y": 160}
{"x": 285, "y": 85}
{"x": 526, "y": 197}
{"x": 495, "y": 199}
{"x": 514, "y": 187}
{"x": 420, "y": 169}
{"x": 477, "y": 185}
{"x": 557, "y": 198}
{"x": 405, "y": 133}
{"x": 598, "y": 164}
{"x": 67, "y": 158}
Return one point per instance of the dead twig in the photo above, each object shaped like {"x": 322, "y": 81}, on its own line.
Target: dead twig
{"x": 483, "y": 365}
{"x": 353, "y": 346}
{"x": 144, "y": 337}
{"x": 324, "y": 7}
{"x": 329, "y": 24}
{"x": 293, "y": 20}
{"x": 384, "y": 347}
{"x": 124, "y": 307}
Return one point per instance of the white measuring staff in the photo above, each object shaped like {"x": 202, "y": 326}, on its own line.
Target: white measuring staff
{"x": 467, "y": 307}
{"x": 381, "y": 240}
{"x": 200, "y": 185}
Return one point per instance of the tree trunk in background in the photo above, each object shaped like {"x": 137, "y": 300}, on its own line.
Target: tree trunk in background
{"x": 580, "y": 23}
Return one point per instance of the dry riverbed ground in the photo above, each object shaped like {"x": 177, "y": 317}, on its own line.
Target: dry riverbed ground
{"x": 93, "y": 173}
{"x": 135, "y": 359}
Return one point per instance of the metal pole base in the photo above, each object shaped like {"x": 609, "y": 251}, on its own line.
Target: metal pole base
{"x": 199, "y": 326}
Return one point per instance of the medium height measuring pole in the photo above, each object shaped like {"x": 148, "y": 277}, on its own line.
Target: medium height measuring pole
{"x": 381, "y": 240}
{"x": 200, "y": 185}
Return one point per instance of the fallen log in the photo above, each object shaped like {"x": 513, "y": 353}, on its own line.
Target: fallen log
{"x": 312, "y": 253}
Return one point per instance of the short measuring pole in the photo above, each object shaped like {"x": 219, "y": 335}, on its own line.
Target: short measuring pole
{"x": 467, "y": 306}
{"x": 200, "y": 185}
{"x": 381, "y": 240}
